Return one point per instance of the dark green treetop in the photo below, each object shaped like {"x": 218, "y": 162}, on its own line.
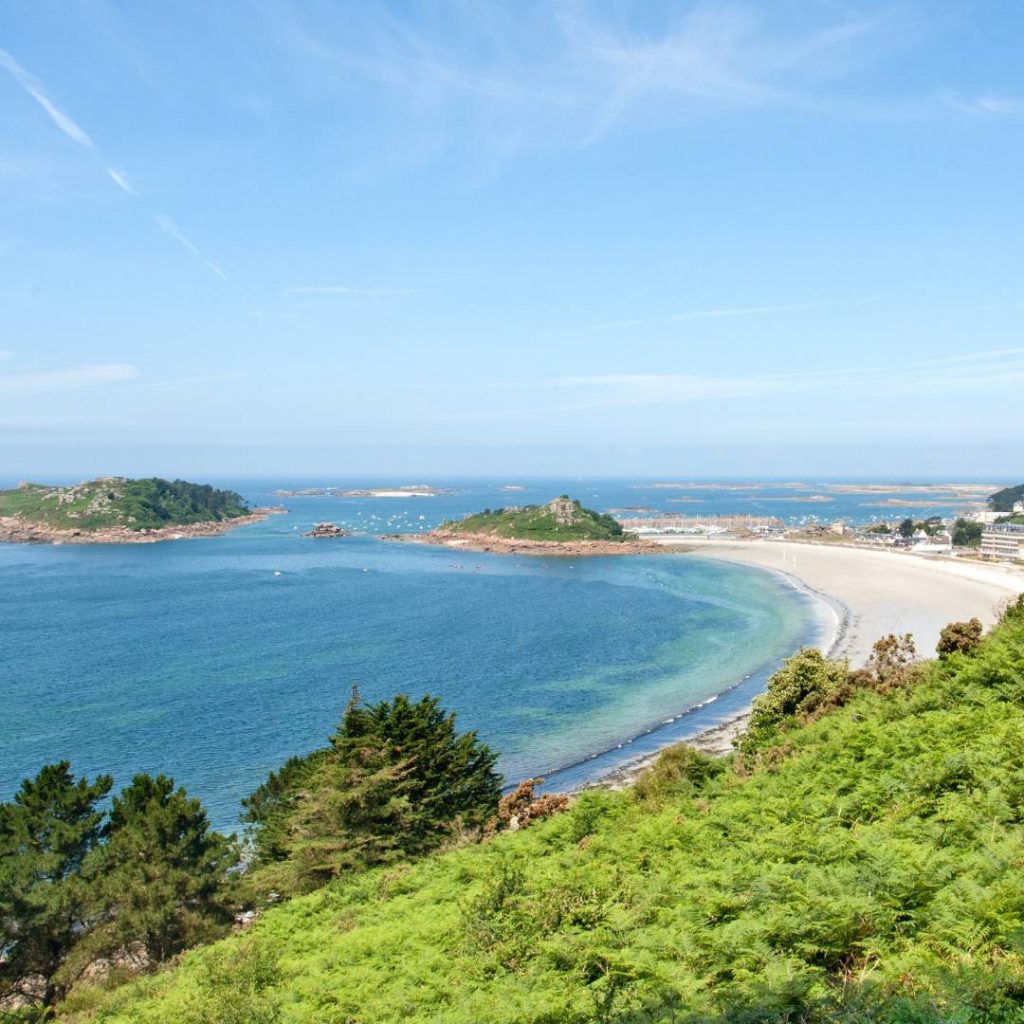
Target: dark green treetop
{"x": 396, "y": 779}
{"x": 165, "y": 880}
{"x": 47, "y": 834}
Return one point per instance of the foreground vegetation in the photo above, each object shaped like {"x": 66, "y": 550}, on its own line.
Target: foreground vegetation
{"x": 859, "y": 859}
{"x": 88, "y": 894}
{"x": 80, "y": 886}
{"x": 560, "y": 520}
{"x": 145, "y": 504}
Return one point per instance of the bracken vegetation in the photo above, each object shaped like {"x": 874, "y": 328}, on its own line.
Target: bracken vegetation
{"x": 114, "y": 501}
{"x": 859, "y": 860}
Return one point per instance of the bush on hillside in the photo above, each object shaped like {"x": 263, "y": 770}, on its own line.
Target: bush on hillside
{"x": 959, "y": 638}
{"x": 804, "y": 682}
{"x": 522, "y": 807}
{"x": 680, "y": 769}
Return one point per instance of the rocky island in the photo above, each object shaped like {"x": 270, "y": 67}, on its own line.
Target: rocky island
{"x": 327, "y": 530}
{"x": 561, "y": 527}
{"x": 116, "y": 510}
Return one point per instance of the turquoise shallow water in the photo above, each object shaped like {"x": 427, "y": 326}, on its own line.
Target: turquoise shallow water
{"x": 195, "y": 658}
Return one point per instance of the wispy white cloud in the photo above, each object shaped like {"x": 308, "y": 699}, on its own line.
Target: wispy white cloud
{"x": 118, "y": 178}
{"x": 44, "y": 382}
{"x": 165, "y": 224}
{"x": 78, "y": 134}
{"x": 33, "y": 87}
{"x": 565, "y": 73}
{"x": 991, "y": 105}
{"x": 999, "y": 368}
{"x": 212, "y": 378}
{"x": 342, "y": 289}
{"x": 714, "y": 314}
{"x": 706, "y": 314}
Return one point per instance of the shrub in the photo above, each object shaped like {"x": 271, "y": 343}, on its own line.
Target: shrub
{"x": 805, "y": 680}
{"x": 959, "y": 638}
{"x": 680, "y": 768}
{"x": 891, "y": 659}
{"x": 521, "y": 808}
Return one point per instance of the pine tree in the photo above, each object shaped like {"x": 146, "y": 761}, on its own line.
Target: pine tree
{"x": 47, "y": 836}
{"x": 395, "y": 780}
{"x": 165, "y": 880}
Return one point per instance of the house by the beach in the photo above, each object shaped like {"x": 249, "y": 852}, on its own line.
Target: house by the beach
{"x": 936, "y": 544}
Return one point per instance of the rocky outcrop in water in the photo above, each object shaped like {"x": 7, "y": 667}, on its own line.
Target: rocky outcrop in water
{"x": 327, "y": 530}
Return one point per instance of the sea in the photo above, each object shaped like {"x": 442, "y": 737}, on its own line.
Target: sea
{"x": 214, "y": 660}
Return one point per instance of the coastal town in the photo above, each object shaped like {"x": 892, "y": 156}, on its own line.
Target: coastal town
{"x": 976, "y": 533}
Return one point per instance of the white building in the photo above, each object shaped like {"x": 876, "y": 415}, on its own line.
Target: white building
{"x": 1003, "y": 540}
{"x": 940, "y": 544}
{"x": 985, "y": 516}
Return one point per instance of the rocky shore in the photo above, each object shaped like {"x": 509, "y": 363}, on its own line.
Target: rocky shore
{"x": 16, "y": 531}
{"x": 512, "y": 546}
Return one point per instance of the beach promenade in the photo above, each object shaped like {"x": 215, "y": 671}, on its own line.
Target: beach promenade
{"x": 878, "y": 592}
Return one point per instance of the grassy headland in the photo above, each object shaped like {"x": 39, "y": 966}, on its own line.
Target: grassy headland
{"x": 560, "y": 520}
{"x": 858, "y": 860}
{"x": 112, "y": 506}
{"x": 561, "y": 527}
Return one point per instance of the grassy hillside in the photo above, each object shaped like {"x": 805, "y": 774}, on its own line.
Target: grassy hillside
{"x": 865, "y": 866}
{"x": 1004, "y": 500}
{"x": 115, "y": 501}
{"x": 562, "y": 519}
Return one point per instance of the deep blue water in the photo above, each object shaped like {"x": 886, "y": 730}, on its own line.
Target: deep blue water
{"x": 214, "y": 660}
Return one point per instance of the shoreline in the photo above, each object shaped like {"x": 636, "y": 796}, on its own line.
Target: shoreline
{"x": 15, "y": 531}
{"x": 867, "y": 601}
{"x": 488, "y": 544}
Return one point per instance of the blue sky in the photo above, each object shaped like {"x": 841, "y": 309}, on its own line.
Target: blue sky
{"x": 654, "y": 239}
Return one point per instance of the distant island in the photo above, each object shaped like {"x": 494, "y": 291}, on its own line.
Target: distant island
{"x": 407, "y": 491}
{"x": 322, "y": 530}
{"x": 561, "y": 527}
{"x": 116, "y": 510}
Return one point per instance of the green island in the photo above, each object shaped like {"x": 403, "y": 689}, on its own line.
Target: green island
{"x": 857, "y": 859}
{"x": 563, "y": 519}
{"x": 115, "y": 504}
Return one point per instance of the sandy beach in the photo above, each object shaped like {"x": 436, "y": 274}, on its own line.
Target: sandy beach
{"x": 879, "y": 591}
{"x": 872, "y": 592}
